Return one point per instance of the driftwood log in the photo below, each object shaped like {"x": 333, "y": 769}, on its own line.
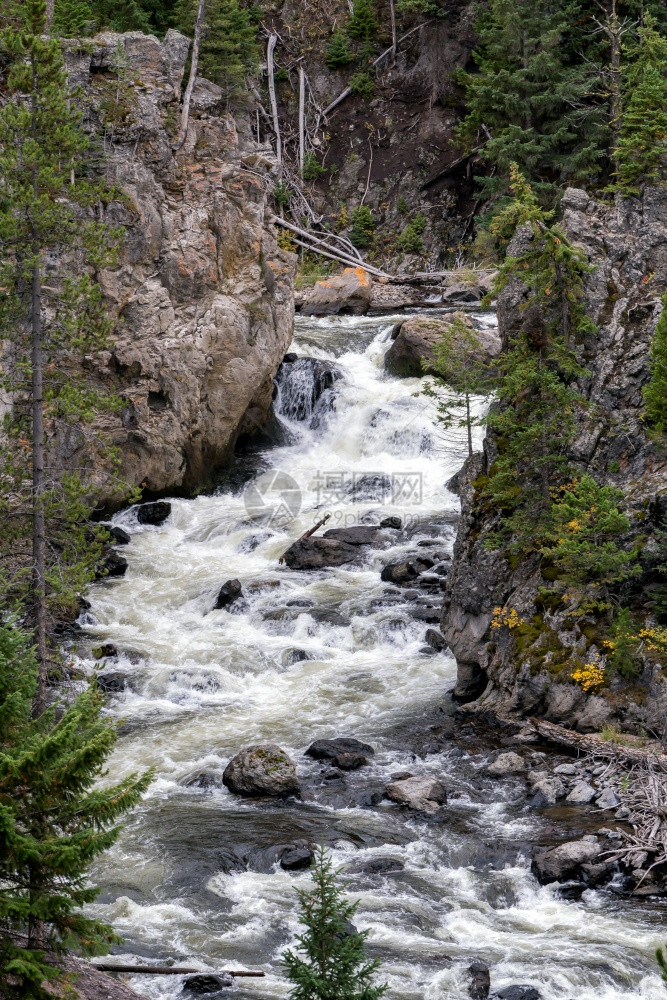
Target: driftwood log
{"x": 170, "y": 970}
{"x": 589, "y": 744}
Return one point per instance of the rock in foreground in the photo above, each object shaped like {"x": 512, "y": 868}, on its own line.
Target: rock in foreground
{"x": 264, "y": 769}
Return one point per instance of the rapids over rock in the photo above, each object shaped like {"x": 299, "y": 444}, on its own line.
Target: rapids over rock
{"x": 299, "y": 656}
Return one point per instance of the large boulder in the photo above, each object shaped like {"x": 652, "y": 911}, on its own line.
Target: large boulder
{"x": 557, "y": 863}
{"x": 348, "y": 293}
{"x": 358, "y": 534}
{"x": 262, "y": 770}
{"x": 423, "y": 794}
{"x": 204, "y": 983}
{"x": 414, "y": 346}
{"x": 319, "y": 553}
{"x": 505, "y": 764}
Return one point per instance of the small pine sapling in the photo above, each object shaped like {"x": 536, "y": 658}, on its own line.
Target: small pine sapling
{"x": 330, "y": 961}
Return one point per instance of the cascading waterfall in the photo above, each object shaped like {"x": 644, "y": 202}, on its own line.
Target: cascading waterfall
{"x": 303, "y": 656}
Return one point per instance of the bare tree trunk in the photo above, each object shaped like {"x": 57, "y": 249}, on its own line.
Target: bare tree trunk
{"x": 187, "y": 97}
{"x": 302, "y": 117}
{"x": 615, "y": 33}
{"x": 468, "y": 425}
{"x": 48, "y": 16}
{"x": 394, "y": 41}
{"x": 38, "y": 525}
{"x": 272, "y": 97}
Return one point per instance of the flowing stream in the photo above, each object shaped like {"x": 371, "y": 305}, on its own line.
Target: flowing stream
{"x": 195, "y": 876}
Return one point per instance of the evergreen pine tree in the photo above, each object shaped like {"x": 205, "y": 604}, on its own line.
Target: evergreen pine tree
{"x": 54, "y": 821}
{"x": 534, "y": 416}
{"x": 50, "y": 311}
{"x": 655, "y": 391}
{"x": 463, "y": 371}
{"x": 229, "y": 45}
{"x": 643, "y": 126}
{"x": 363, "y": 23}
{"x": 333, "y": 966}
{"x": 622, "y": 646}
{"x": 121, "y": 15}
{"x": 529, "y": 102}
{"x": 581, "y": 539}
{"x": 73, "y": 18}
{"x": 338, "y": 53}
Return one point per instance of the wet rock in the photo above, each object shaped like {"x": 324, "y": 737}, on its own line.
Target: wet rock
{"x": 348, "y": 293}
{"x": 563, "y": 862}
{"x": 295, "y": 859}
{"x": 480, "y": 980}
{"x": 344, "y": 752}
{"x": 608, "y": 799}
{"x": 119, "y": 535}
{"x": 581, "y": 794}
{"x": 569, "y": 770}
{"x": 506, "y": 763}
{"x": 360, "y": 534}
{"x": 423, "y": 794}
{"x": 572, "y": 889}
{"x": 463, "y": 292}
{"x": 112, "y": 681}
{"x": 113, "y": 564}
{"x": 228, "y": 593}
{"x": 391, "y": 522}
{"x": 306, "y": 388}
{"x": 405, "y": 572}
{"x": 435, "y": 639}
{"x": 517, "y": 993}
{"x": 291, "y": 656}
{"x": 262, "y": 770}
{"x": 319, "y": 553}
{"x": 290, "y": 358}
{"x": 376, "y": 866}
{"x": 203, "y": 778}
{"x": 204, "y": 983}
{"x": 154, "y": 513}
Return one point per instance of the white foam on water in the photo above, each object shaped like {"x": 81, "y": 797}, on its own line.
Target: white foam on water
{"x": 204, "y": 683}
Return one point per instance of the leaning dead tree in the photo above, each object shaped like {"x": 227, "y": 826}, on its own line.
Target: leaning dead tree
{"x": 628, "y": 751}
{"x": 270, "y": 69}
{"x": 194, "y": 65}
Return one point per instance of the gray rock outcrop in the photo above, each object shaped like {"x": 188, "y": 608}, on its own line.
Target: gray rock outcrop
{"x": 202, "y": 295}
{"x": 627, "y": 246}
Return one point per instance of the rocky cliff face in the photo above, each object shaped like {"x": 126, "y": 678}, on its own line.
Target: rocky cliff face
{"x": 203, "y": 296}
{"x": 529, "y": 674}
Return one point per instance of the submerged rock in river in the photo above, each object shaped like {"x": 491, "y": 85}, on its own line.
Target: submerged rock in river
{"x": 262, "y": 770}
{"x": 346, "y": 753}
{"x": 154, "y": 513}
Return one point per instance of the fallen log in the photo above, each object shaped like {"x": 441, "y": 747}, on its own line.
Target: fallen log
{"x": 594, "y": 745}
{"x": 307, "y": 534}
{"x": 170, "y": 970}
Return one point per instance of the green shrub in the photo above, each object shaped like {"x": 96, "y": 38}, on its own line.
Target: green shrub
{"x": 363, "y": 227}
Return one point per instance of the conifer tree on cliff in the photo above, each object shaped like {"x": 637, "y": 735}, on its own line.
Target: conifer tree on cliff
{"x": 228, "y": 42}
{"x": 54, "y": 821}
{"x": 529, "y": 103}
{"x": 50, "y": 313}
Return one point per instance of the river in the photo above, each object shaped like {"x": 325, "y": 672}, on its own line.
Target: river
{"x": 194, "y": 876}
